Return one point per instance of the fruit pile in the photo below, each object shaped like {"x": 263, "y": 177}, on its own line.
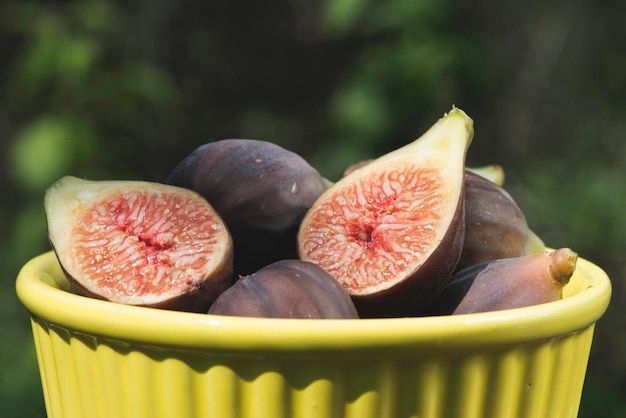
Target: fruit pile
{"x": 247, "y": 228}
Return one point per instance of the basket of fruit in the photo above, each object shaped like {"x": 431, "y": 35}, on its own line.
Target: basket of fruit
{"x": 410, "y": 287}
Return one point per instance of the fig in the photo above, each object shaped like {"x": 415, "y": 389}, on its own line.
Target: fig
{"x": 139, "y": 243}
{"x": 534, "y": 244}
{"x": 260, "y": 189}
{"x": 493, "y": 172}
{"x": 287, "y": 289}
{"x": 495, "y": 226}
{"x": 508, "y": 283}
{"x": 391, "y": 232}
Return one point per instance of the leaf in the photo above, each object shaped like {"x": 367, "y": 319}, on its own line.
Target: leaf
{"x": 47, "y": 148}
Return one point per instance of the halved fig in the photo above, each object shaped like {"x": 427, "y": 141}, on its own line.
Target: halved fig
{"x": 260, "y": 189}
{"x": 139, "y": 243}
{"x": 287, "y": 289}
{"x": 391, "y": 232}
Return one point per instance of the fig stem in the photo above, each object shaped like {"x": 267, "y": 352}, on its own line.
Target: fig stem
{"x": 562, "y": 266}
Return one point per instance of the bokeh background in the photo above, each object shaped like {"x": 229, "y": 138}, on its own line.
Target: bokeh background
{"x": 124, "y": 90}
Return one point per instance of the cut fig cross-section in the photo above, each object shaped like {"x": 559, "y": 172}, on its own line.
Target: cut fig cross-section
{"x": 139, "y": 243}
{"x": 391, "y": 231}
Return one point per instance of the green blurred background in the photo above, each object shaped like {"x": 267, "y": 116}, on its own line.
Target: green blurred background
{"x": 124, "y": 90}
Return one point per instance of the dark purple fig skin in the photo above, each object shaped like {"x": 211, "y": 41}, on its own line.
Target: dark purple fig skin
{"x": 260, "y": 189}
{"x": 287, "y": 289}
{"x": 495, "y": 226}
{"x": 506, "y": 283}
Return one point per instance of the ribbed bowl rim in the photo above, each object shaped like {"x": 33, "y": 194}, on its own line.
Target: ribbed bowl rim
{"x": 42, "y": 289}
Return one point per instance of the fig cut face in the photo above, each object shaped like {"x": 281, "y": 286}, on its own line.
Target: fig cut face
{"x": 377, "y": 226}
{"x": 391, "y": 231}
{"x": 139, "y": 243}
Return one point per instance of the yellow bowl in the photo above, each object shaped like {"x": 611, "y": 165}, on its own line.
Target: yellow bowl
{"x": 100, "y": 359}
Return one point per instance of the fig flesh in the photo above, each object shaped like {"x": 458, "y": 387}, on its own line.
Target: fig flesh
{"x": 139, "y": 243}
{"x": 391, "y": 232}
{"x": 493, "y": 172}
{"x": 507, "y": 283}
{"x": 287, "y": 289}
{"x": 260, "y": 189}
{"x": 495, "y": 226}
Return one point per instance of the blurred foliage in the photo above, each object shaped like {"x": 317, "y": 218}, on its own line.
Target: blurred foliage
{"x": 107, "y": 90}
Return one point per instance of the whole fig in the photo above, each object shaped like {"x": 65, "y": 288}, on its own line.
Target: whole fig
{"x": 495, "y": 226}
{"x": 287, "y": 289}
{"x": 260, "y": 189}
{"x": 506, "y": 283}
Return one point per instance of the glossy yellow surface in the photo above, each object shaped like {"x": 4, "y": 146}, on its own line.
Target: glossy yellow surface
{"x": 99, "y": 359}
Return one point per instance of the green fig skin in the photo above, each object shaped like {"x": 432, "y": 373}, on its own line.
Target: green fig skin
{"x": 509, "y": 283}
{"x": 287, "y": 289}
{"x": 493, "y": 172}
{"x": 495, "y": 226}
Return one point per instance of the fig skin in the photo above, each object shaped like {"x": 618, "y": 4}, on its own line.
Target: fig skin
{"x": 495, "y": 226}
{"x": 391, "y": 231}
{"x": 287, "y": 289}
{"x": 492, "y": 172}
{"x": 197, "y": 299}
{"x": 260, "y": 189}
{"x": 138, "y": 243}
{"x": 509, "y": 283}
